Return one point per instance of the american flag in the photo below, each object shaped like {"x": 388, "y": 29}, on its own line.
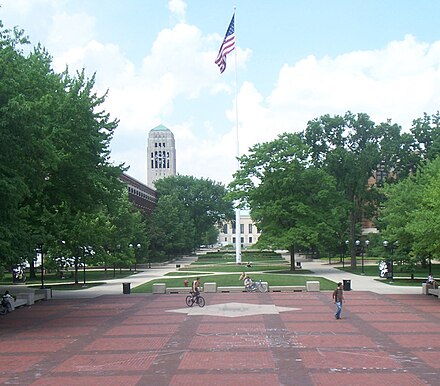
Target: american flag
{"x": 227, "y": 46}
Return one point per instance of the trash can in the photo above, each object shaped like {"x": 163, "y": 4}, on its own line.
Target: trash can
{"x": 347, "y": 285}
{"x": 126, "y": 288}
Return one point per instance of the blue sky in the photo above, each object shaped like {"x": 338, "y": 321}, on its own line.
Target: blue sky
{"x": 296, "y": 60}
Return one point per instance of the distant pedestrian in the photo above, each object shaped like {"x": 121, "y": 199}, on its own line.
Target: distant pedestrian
{"x": 338, "y": 298}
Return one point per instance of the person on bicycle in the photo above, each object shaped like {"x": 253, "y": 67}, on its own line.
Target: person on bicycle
{"x": 248, "y": 283}
{"x": 196, "y": 287}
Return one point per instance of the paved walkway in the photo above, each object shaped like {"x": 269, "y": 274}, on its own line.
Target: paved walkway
{"x": 236, "y": 339}
{"x": 358, "y": 282}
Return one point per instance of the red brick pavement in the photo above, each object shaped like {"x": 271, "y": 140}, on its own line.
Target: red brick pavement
{"x": 139, "y": 340}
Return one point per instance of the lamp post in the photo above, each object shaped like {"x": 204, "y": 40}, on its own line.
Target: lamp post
{"x": 390, "y": 265}
{"x": 367, "y": 242}
{"x": 84, "y": 265}
{"x": 40, "y": 249}
{"x": 343, "y": 257}
{"x": 361, "y": 249}
{"x": 358, "y": 244}
{"x": 138, "y": 246}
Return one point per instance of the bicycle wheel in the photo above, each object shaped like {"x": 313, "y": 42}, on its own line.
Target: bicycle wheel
{"x": 201, "y": 301}
{"x": 262, "y": 287}
{"x": 189, "y": 301}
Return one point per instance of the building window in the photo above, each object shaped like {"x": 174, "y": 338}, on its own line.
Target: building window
{"x": 242, "y": 240}
{"x": 250, "y": 228}
{"x": 250, "y": 239}
{"x": 233, "y": 240}
{"x": 241, "y": 228}
{"x": 226, "y": 239}
{"x": 225, "y": 229}
{"x": 233, "y": 227}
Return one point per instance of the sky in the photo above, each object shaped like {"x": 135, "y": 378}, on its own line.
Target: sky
{"x": 295, "y": 61}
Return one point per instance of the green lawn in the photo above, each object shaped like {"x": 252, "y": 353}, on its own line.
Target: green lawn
{"x": 233, "y": 280}
{"x": 54, "y": 277}
{"x": 235, "y": 268}
{"x": 399, "y": 271}
{"x": 70, "y": 286}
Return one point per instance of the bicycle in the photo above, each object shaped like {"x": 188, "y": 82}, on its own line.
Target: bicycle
{"x": 191, "y": 299}
{"x": 257, "y": 286}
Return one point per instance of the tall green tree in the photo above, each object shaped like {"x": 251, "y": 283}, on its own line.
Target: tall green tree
{"x": 294, "y": 203}
{"x": 411, "y": 213}
{"x": 348, "y": 148}
{"x": 172, "y": 232}
{"x": 205, "y": 201}
{"x": 54, "y": 154}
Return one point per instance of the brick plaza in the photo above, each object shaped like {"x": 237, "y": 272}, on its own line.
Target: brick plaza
{"x": 152, "y": 340}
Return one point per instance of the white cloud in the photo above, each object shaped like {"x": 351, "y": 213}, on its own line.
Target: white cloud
{"x": 177, "y": 8}
{"x": 399, "y": 81}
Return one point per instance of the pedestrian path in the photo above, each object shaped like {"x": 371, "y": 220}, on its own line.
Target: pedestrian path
{"x": 319, "y": 268}
{"x": 236, "y": 339}
{"x": 114, "y": 286}
{"x": 358, "y": 282}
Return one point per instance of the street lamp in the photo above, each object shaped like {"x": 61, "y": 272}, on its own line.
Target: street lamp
{"x": 131, "y": 246}
{"x": 343, "y": 257}
{"x": 390, "y": 267}
{"x": 138, "y": 246}
{"x": 367, "y": 242}
{"x": 40, "y": 249}
{"x": 358, "y": 244}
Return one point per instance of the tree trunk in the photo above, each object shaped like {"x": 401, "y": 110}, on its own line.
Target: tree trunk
{"x": 32, "y": 273}
{"x": 292, "y": 258}
{"x": 76, "y": 270}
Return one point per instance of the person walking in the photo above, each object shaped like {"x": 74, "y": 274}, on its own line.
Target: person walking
{"x": 338, "y": 298}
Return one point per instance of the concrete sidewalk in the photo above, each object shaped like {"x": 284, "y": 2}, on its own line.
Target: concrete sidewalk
{"x": 319, "y": 268}
{"x": 114, "y": 286}
{"x": 358, "y": 282}
{"x": 260, "y": 339}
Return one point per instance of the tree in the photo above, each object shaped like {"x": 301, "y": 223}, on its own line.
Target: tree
{"x": 205, "y": 201}
{"x": 54, "y": 154}
{"x": 426, "y": 132}
{"x": 295, "y": 204}
{"x": 173, "y": 230}
{"x": 411, "y": 213}
{"x": 347, "y": 147}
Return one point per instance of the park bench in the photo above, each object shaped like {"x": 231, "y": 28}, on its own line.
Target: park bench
{"x": 433, "y": 291}
{"x": 427, "y": 289}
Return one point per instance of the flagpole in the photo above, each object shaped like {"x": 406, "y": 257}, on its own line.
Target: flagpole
{"x": 237, "y": 209}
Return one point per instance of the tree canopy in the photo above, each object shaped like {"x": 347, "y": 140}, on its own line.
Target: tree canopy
{"x": 204, "y": 202}
{"x": 56, "y": 179}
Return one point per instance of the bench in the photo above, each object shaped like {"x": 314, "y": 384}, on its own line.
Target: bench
{"x": 427, "y": 289}
{"x": 20, "y": 303}
{"x": 433, "y": 291}
{"x": 287, "y": 288}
